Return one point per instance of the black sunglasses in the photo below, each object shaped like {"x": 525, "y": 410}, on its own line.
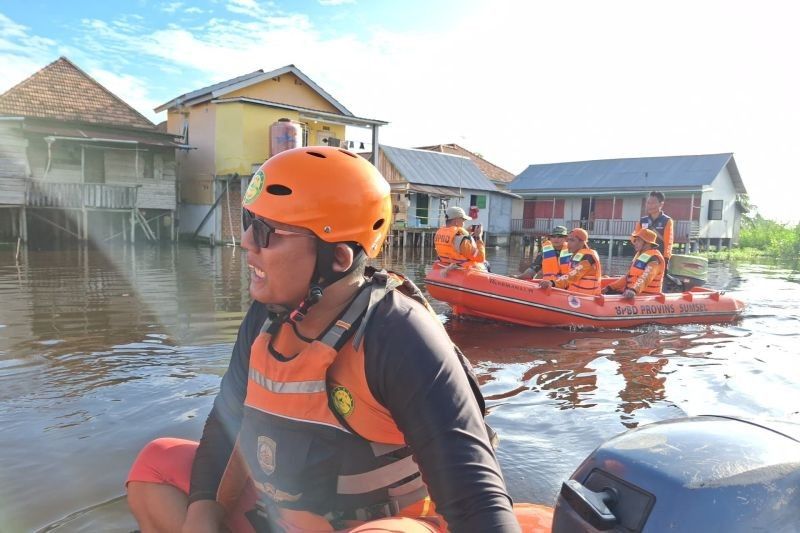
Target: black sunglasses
{"x": 262, "y": 230}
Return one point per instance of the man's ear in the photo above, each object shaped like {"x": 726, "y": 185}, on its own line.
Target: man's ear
{"x": 342, "y": 257}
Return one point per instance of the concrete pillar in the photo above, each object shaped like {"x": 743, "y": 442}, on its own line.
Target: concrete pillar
{"x": 85, "y": 229}
{"x": 23, "y": 224}
{"x": 133, "y": 227}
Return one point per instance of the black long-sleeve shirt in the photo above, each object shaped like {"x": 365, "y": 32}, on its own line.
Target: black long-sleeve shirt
{"x": 412, "y": 370}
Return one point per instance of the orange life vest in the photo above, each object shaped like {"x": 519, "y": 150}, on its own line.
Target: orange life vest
{"x": 589, "y": 283}
{"x": 312, "y": 428}
{"x": 637, "y": 270}
{"x": 554, "y": 263}
{"x": 447, "y": 241}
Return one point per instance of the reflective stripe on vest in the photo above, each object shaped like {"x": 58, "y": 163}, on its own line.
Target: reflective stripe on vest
{"x": 589, "y": 283}
{"x": 638, "y": 267}
{"x": 564, "y": 260}
{"x": 289, "y": 430}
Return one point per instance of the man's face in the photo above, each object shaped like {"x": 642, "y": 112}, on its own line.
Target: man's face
{"x": 574, "y": 244}
{"x": 459, "y": 222}
{"x": 652, "y": 205}
{"x": 639, "y": 244}
{"x": 558, "y": 241}
{"x": 281, "y": 272}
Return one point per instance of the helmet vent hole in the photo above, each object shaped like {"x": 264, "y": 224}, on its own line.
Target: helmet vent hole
{"x": 378, "y": 224}
{"x": 351, "y": 154}
{"x": 279, "y": 190}
{"x": 316, "y": 154}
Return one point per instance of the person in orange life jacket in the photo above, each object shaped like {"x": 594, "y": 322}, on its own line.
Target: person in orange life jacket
{"x": 455, "y": 245}
{"x": 334, "y": 379}
{"x": 646, "y": 274}
{"x": 554, "y": 258}
{"x": 585, "y": 269}
{"x": 656, "y": 220}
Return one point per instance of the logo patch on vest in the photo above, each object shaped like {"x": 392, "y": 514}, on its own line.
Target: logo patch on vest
{"x": 254, "y": 189}
{"x": 342, "y": 401}
{"x": 266, "y": 454}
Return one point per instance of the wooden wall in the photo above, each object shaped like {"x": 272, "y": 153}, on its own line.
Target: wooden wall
{"x": 13, "y": 163}
{"x": 154, "y": 171}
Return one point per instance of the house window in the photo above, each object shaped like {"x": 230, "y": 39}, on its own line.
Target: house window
{"x": 66, "y": 153}
{"x": 715, "y": 209}
{"x": 478, "y": 200}
{"x": 423, "y": 202}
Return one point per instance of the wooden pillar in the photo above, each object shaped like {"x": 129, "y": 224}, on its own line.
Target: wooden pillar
{"x": 173, "y": 235}
{"x": 133, "y": 227}
{"x": 85, "y": 229}
{"x": 14, "y": 224}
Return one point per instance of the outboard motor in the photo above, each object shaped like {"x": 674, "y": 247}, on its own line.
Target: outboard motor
{"x": 685, "y": 272}
{"x": 698, "y": 474}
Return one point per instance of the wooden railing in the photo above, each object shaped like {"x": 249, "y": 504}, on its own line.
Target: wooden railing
{"x": 79, "y": 195}
{"x": 600, "y": 228}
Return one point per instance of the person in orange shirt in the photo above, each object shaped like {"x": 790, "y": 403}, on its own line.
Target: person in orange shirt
{"x": 456, "y": 246}
{"x": 646, "y": 275}
{"x": 585, "y": 269}
{"x": 659, "y": 222}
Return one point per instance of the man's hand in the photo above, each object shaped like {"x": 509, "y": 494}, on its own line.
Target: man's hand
{"x": 629, "y": 294}
{"x": 477, "y": 232}
{"x": 545, "y": 284}
{"x": 204, "y": 516}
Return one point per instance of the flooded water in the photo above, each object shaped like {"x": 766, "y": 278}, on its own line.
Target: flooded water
{"x": 101, "y": 351}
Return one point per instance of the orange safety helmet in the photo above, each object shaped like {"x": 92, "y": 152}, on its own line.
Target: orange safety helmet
{"x": 336, "y": 194}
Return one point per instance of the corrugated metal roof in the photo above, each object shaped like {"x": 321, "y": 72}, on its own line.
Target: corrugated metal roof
{"x": 437, "y": 169}
{"x": 641, "y": 173}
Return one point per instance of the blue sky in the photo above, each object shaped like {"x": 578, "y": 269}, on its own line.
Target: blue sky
{"x": 519, "y": 82}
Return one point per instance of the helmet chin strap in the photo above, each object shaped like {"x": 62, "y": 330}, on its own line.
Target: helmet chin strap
{"x": 322, "y": 277}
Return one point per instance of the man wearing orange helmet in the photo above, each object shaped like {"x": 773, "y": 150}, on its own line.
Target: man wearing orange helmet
{"x": 585, "y": 269}
{"x": 345, "y": 401}
{"x": 646, "y": 275}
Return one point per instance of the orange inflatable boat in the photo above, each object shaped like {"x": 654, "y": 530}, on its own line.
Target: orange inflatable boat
{"x": 496, "y": 297}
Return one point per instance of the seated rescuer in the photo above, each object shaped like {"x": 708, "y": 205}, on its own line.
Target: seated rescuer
{"x": 585, "y": 269}
{"x": 656, "y": 220}
{"x": 646, "y": 274}
{"x": 554, "y": 258}
{"x": 455, "y": 245}
{"x": 344, "y": 400}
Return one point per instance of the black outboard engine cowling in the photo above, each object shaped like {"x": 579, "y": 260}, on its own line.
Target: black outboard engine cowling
{"x": 699, "y": 474}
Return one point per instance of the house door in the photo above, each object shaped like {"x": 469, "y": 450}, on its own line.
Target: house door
{"x": 94, "y": 165}
{"x": 587, "y": 213}
{"x": 423, "y": 202}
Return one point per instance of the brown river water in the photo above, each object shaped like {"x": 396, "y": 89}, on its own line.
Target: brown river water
{"x": 103, "y": 350}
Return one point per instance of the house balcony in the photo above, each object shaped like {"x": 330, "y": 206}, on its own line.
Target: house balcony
{"x": 600, "y": 228}
{"x": 79, "y": 195}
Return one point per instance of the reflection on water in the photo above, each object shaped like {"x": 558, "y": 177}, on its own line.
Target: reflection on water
{"x": 100, "y": 351}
